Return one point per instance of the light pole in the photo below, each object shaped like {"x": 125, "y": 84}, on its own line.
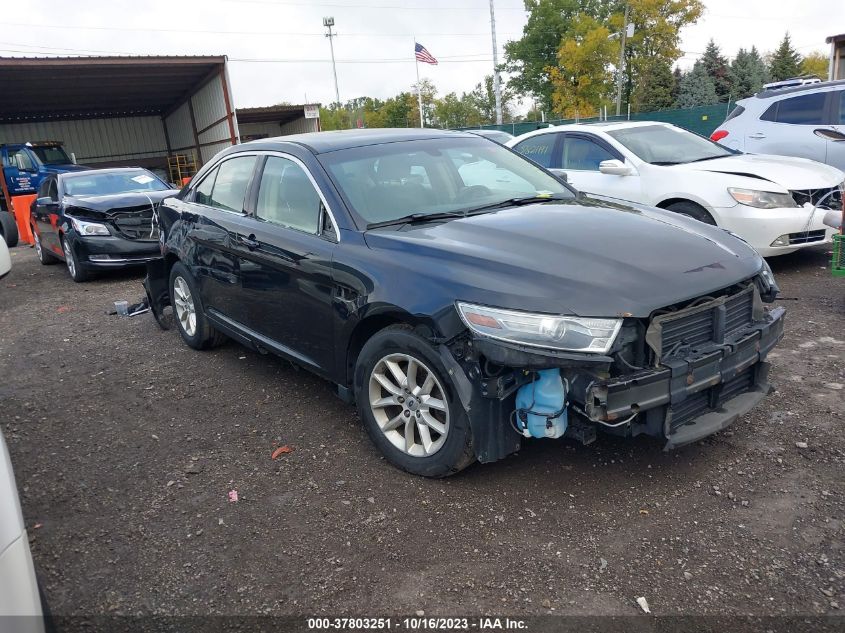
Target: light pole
{"x": 627, "y": 31}
{"x": 497, "y": 88}
{"x": 329, "y": 23}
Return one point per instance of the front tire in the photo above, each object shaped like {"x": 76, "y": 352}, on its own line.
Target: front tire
{"x": 72, "y": 261}
{"x": 8, "y": 228}
{"x": 43, "y": 256}
{"x": 406, "y": 400}
{"x": 692, "y": 210}
{"x": 190, "y": 318}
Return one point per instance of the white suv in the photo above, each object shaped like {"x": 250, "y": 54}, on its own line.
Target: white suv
{"x": 806, "y": 121}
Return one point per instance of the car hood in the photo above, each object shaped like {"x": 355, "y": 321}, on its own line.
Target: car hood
{"x": 114, "y": 203}
{"x": 787, "y": 171}
{"x": 583, "y": 257}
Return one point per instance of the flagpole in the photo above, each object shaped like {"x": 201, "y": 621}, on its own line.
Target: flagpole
{"x": 419, "y": 87}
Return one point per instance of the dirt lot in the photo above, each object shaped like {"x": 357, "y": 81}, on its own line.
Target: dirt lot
{"x": 126, "y": 444}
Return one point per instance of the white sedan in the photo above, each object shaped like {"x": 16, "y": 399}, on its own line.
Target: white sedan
{"x": 775, "y": 203}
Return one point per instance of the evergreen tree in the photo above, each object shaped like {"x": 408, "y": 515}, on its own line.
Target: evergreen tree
{"x": 676, "y": 85}
{"x": 785, "y": 62}
{"x": 655, "y": 88}
{"x": 697, "y": 88}
{"x": 748, "y": 73}
{"x": 716, "y": 66}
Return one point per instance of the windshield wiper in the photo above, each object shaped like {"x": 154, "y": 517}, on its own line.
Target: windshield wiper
{"x": 698, "y": 160}
{"x": 417, "y": 217}
{"x": 516, "y": 202}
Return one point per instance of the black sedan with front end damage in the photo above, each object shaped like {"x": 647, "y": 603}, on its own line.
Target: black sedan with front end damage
{"x": 464, "y": 297}
{"x": 98, "y": 219}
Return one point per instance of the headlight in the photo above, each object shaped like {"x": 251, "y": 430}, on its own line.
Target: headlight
{"x": 572, "y": 334}
{"x": 89, "y": 228}
{"x": 761, "y": 199}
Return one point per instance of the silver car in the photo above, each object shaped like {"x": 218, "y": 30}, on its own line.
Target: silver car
{"x": 806, "y": 121}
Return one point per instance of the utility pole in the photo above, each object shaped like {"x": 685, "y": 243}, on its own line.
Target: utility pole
{"x": 497, "y": 88}
{"x": 329, "y": 23}
{"x": 621, "y": 68}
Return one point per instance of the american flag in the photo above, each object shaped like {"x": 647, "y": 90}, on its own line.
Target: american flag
{"x": 422, "y": 54}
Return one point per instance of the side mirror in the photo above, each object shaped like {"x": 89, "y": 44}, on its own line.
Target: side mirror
{"x": 561, "y": 175}
{"x": 614, "y": 167}
{"x": 829, "y": 135}
{"x": 46, "y": 201}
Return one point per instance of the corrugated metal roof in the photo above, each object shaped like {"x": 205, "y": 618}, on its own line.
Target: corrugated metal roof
{"x": 275, "y": 114}
{"x": 51, "y": 88}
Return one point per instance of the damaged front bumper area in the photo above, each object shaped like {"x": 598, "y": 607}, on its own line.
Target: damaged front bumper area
{"x": 693, "y": 394}
{"x": 706, "y": 368}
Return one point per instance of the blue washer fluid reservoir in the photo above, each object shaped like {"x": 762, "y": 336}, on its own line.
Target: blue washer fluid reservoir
{"x": 539, "y": 399}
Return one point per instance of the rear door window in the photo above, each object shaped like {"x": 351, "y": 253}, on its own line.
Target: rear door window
{"x": 840, "y": 114}
{"x": 802, "y": 110}
{"x": 230, "y": 184}
{"x": 539, "y": 148}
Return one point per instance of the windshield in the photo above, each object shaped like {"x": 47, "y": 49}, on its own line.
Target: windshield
{"x": 446, "y": 175}
{"x": 52, "y": 155}
{"x": 93, "y": 183}
{"x": 664, "y": 145}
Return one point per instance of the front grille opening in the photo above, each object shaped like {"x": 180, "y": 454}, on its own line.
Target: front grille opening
{"x": 711, "y": 399}
{"x": 807, "y": 237}
{"x": 828, "y": 198}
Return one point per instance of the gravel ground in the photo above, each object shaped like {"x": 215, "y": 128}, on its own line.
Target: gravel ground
{"x": 126, "y": 443}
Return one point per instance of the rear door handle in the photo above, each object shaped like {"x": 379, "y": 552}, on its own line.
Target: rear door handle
{"x": 757, "y": 135}
{"x": 250, "y": 242}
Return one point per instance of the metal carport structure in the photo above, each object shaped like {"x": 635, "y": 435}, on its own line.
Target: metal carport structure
{"x": 120, "y": 110}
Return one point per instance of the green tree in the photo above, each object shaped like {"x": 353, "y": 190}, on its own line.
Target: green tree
{"x": 697, "y": 88}
{"x": 716, "y": 66}
{"x": 429, "y": 94}
{"x": 676, "y": 85}
{"x": 656, "y": 39}
{"x": 483, "y": 99}
{"x": 581, "y": 79}
{"x": 815, "y": 64}
{"x": 655, "y": 88}
{"x": 453, "y": 112}
{"x": 748, "y": 73}
{"x": 785, "y": 62}
{"x": 529, "y": 58}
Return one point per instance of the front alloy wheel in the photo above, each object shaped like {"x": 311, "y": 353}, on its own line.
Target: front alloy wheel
{"x": 183, "y": 304}
{"x": 409, "y": 405}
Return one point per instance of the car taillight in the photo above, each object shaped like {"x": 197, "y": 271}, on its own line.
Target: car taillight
{"x": 718, "y": 135}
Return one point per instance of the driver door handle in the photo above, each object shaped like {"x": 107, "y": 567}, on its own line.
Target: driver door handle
{"x": 250, "y": 242}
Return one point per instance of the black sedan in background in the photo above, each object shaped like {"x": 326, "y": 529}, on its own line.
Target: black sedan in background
{"x": 98, "y": 219}
{"x": 464, "y": 297}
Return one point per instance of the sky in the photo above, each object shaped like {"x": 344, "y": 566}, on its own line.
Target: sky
{"x": 278, "y": 51}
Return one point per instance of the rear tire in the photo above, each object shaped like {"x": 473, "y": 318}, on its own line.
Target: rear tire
{"x": 411, "y": 414}
{"x": 188, "y": 312}
{"x": 692, "y": 210}
{"x": 8, "y": 228}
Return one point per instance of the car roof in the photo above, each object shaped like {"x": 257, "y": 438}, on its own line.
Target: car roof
{"x": 777, "y": 92}
{"x": 322, "y": 142}
{"x": 604, "y": 126}
{"x": 107, "y": 170}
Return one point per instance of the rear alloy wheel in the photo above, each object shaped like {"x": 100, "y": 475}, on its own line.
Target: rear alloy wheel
{"x": 191, "y": 321}
{"x": 73, "y": 267}
{"x": 692, "y": 210}
{"x": 405, "y": 398}
{"x": 43, "y": 256}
